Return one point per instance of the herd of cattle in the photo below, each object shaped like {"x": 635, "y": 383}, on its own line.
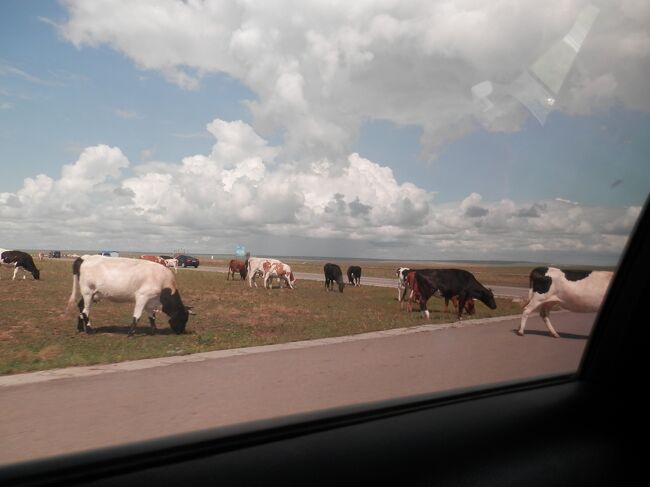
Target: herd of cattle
{"x": 150, "y": 283}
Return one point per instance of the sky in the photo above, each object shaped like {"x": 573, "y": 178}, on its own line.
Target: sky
{"x": 510, "y": 130}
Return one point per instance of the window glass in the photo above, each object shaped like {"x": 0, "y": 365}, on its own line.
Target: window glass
{"x": 154, "y": 153}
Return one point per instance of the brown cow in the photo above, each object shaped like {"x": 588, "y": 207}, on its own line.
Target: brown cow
{"x": 236, "y": 266}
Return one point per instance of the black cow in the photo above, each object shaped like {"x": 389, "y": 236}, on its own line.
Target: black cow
{"x": 449, "y": 283}
{"x": 19, "y": 260}
{"x": 354, "y": 275}
{"x": 333, "y": 273}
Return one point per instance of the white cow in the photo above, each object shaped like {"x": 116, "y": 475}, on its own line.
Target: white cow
{"x": 580, "y": 291}
{"x": 172, "y": 264}
{"x": 280, "y": 270}
{"x": 257, "y": 266}
{"x": 119, "y": 279}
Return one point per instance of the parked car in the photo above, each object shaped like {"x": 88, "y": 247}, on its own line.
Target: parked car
{"x": 187, "y": 261}
{"x": 54, "y": 254}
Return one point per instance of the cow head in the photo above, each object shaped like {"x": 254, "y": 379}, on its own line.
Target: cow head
{"x": 36, "y": 273}
{"x": 487, "y": 297}
{"x": 172, "y": 306}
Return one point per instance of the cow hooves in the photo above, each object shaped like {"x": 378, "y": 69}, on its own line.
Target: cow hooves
{"x": 555, "y": 335}
{"x": 520, "y": 333}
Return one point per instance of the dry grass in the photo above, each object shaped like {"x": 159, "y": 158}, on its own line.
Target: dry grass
{"x": 37, "y": 333}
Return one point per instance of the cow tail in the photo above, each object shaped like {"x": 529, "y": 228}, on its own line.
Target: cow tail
{"x": 76, "y": 270}
{"x": 525, "y": 302}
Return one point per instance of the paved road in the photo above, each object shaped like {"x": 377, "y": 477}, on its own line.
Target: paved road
{"x": 106, "y": 405}
{"x": 499, "y": 291}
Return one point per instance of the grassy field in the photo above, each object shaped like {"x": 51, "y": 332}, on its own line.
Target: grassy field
{"x": 36, "y": 332}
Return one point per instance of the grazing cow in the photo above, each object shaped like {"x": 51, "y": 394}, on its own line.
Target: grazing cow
{"x": 280, "y": 270}
{"x": 401, "y": 281}
{"x": 354, "y": 275}
{"x": 154, "y": 258}
{"x": 236, "y": 266}
{"x": 19, "y": 261}
{"x": 449, "y": 283}
{"x": 414, "y": 296}
{"x": 257, "y": 266}
{"x": 579, "y": 291}
{"x": 122, "y": 280}
{"x": 333, "y": 273}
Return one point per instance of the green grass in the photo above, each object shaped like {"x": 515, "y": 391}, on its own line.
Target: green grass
{"x": 36, "y": 332}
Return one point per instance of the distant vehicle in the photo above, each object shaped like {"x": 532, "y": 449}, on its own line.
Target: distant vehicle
{"x": 54, "y": 254}
{"x": 187, "y": 261}
{"x": 109, "y": 253}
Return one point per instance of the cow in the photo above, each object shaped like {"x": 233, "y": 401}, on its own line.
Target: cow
{"x": 410, "y": 282}
{"x": 236, "y": 266}
{"x": 354, "y": 275}
{"x": 257, "y": 266}
{"x": 171, "y": 263}
{"x": 154, "y": 258}
{"x": 574, "y": 290}
{"x": 120, "y": 279}
{"x": 449, "y": 283}
{"x": 42, "y": 255}
{"x": 401, "y": 281}
{"x": 19, "y": 261}
{"x": 280, "y": 270}
{"x": 333, "y": 274}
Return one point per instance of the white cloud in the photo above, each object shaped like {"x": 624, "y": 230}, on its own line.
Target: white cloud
{"x": 320, "y": 70}
{"x": 240, "y": 192}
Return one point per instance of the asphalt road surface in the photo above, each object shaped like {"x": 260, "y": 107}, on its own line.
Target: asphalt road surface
{"x": 53, "y": 412}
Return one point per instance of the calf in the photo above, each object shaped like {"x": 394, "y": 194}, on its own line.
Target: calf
{"x": 236, "y": 266}
{"x": 19, "y": 261}
{"x": 579, "y": 291}
{"x": 122, "y": 280}
{"x": 354, "y": 275}
{"x": 449, "y": 283}
{"x": 280, "y": 270}
{"x": 333, "y": 274}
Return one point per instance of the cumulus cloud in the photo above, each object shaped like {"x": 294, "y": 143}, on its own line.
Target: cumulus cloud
{"x": 320, "y": 70}
{"x": 241, "y": 192}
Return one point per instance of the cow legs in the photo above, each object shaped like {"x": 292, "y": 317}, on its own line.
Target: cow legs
{"x": 81, "y": 319}
{"x": 545, "y": 313}
{"x": 530, "y": 307}
{"x": 151, "y": 311}
{"x": 137, "y": 312}
{"x": 84, "y": 313}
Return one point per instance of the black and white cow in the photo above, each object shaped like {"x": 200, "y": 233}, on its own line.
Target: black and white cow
{"x": 401, "y": 281}
{"x": 119, "y": 279}
{"x": 450, "y": 283}
{"x": 354, "y": 275}
{"x": 333, "y": 274}
{"x": 19, "y": 261}
{"x": 573, "y": 290}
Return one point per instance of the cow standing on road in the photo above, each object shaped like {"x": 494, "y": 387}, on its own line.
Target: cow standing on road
{"x": 354, "y": 275}
{"x": 333, "y": 274}
{"x": 579, "y": 291}
{"x": 19, "y": 261}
